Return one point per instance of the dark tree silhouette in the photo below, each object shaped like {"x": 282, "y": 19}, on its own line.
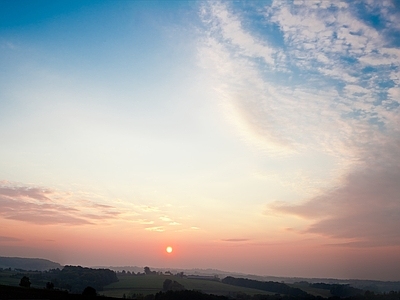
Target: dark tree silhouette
{"x": 166, "y": 284}
{"x": 25, "y": 282}
{"x": 147, "y": 271}
{"x": 49, "y": 285}
{"x": 170, "y": 285}
{"x": 89, "y": 292}
{"x": 76, "y": 278}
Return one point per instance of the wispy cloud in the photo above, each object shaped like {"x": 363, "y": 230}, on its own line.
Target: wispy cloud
{"x": 364, "y": 210}
{"x": 259, "y": 103}
{"x": 333, "y": 98}
{"x": 156, "y": 228}
{"x": 45, "y": 206}
{"x": 229, "y": 29}
{"x": 9, "y": 239}
{"x": 334, "y": 90}
{"x": 165, "y": 219}
{"x": 235, "y": 240}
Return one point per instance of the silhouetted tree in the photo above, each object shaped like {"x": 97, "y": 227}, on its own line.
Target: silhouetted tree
{"x": 166, "y": 284}
{"x": 148, "y": 297}
{"x": 25, "y": 282}
{"x": 89, "y": 292}
{"x": 170, "y": 285}
{"x": 147, "y": 270}
{"x": 76, "y": 278}
{"x": 49, "y": 285}
{"x": 344, "y": 290}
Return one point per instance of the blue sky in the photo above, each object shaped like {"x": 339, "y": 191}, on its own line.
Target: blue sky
{"x": 249, "y": 127}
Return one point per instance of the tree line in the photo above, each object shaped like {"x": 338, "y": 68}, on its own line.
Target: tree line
{"x": 269, "y": 286}
{"x": 197, "y": 295}
{"x": 72, "y": 278}
{"x": 339, "y": 290}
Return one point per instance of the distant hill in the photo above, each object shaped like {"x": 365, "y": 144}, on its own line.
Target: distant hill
{"x": 34, "y": 264}
{"x": 371, "y": 285}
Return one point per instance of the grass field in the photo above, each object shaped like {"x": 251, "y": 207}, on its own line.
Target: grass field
{"x": 6, "y": 279}
{"x": 152, "y": 284}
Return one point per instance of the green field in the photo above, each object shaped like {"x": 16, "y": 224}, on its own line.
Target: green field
{"x": 6, "y": 279}
{"x": 151, "y": 284}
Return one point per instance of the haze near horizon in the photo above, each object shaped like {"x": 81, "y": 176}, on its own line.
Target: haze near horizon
{"x": 259, "y": 137}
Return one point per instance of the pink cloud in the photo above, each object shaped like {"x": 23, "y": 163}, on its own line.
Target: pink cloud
{"x": 9, "y": 239}
{"x": 43, "y": 206}
{"x": 19, "y": 192}
{"x": 365, "y": 209}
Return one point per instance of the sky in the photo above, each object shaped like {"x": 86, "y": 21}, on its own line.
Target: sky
{"x": 260, "y": 137}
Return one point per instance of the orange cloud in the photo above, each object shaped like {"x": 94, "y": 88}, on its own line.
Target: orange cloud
{"x": 44, "y": 206}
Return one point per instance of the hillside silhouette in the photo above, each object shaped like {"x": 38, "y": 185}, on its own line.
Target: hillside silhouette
{"x": 34, "y": 264}
{"x": 22, "y": 278}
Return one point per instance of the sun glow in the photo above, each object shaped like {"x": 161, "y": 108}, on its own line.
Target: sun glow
{"x": 168, "y": 249}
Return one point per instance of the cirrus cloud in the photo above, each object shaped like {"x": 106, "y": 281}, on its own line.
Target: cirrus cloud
{"x": 334, "y": 89}
{"x": 46, "y": 206}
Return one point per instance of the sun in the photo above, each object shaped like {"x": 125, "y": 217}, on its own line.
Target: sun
{"x": 168, "y": 249}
